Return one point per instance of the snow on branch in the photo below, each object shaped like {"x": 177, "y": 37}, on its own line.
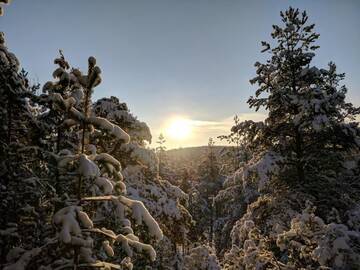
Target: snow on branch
{"x": 106, "y": 125}
{"x": 140, "y": 214}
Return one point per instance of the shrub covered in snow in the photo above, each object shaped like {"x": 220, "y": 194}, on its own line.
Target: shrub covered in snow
{"x": 273, "y": 233}
{"x": 312, "y": 242}
{"x": 201, "y": 258}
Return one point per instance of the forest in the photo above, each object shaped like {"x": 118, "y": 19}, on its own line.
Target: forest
{"x": 81, "y": 188}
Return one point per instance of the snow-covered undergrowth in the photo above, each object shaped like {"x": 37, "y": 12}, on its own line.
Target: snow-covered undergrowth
{"x": 201, "y": 258}
{"x": 274, "y": 233}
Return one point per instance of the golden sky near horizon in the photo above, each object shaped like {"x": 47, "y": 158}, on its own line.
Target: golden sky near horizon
{"x": 183, "y": 131}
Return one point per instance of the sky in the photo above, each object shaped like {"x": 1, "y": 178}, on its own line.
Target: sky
{"x": 184, "y": 59}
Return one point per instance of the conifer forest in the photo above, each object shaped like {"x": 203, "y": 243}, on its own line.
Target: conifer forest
{"x": 84, "y": 184}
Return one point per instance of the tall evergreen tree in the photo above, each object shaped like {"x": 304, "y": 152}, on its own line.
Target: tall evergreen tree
{"x": 22, "y": 196}
{"x": 310, "y": 127}
{"x": 300, "y": 164}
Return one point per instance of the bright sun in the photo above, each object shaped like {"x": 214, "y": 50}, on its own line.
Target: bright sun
{"x": 179, "y": 129}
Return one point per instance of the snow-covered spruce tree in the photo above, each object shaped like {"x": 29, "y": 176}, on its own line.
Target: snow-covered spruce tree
{"x": 202, "y": 196}
{"x": 22, "y": 196}
{"x": 230, "y": 206}
{"x": 14, "y": 89}
{"x": 231, "y": 202}
{"x": 93, "y": 217}
{"x": 303, "y": 154}
{"x": 140, "y": 169}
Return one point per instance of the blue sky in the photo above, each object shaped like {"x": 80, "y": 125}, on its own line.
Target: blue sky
{"x": 166, "y": 58}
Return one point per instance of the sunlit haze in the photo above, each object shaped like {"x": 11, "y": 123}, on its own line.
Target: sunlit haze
{"x": 179, "y": 129}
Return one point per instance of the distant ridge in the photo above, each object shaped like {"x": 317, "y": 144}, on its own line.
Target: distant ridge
{"x": 192, "y": 154}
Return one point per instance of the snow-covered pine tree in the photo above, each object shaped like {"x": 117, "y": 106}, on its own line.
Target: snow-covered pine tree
{"x": 22, "y": 196}
{"x": 231, "y": 202}
{"x": 310, "y": 130}
{"x": 16, "y": 91}
{"x": 302, "y": 164}
{"x": 310, "y": 126}
{"x": 241, "y": 187}
{"x": 93, "y": 217}
{"x": 165, "y": 201}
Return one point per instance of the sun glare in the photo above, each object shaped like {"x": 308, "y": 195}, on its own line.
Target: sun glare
{"x": 179, "y": 129}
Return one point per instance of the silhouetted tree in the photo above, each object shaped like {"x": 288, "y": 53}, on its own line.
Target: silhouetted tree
{"x": 160, "y": 150}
